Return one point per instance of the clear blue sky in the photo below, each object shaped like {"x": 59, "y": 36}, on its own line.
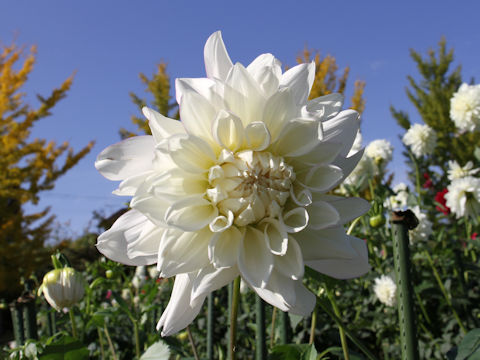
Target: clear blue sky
{"x": 109, "y": 42}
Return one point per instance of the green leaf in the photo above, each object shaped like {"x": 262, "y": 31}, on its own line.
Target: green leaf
{"x": 65, "y": 348}
{"x": 157, "y": 351}
{"x": 310, "y": 353}
{"x": 469, "y": 348}
{"x": 287, "y": 352}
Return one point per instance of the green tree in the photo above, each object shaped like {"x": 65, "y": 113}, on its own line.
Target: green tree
{"x": 27, "y": 168}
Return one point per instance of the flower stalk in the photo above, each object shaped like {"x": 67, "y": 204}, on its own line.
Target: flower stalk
{"x": 283, "y": 323}
{"x": 192, "y": 344}
{"x": 233, "y": 318}
{"x": 260, "y": 337}
{"x": 402, "y": 222}
{"x": 72, "y": 322}
{"x": 210, "y": 320}
{"x": 336, "y": 310}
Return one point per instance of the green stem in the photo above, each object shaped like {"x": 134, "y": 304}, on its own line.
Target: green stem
{"x": 283, "y": 327}
{"x": 137, "y": 338}
{"x": 100, "y": 340}
{"x": 352, "y": 337}
{"x": 110, "y": 344}
{"x": 336, "y": 310}
{"x": 272, "y": 331}
{"x": 210, "y": 320}
{"x": 417, "y": 177}
{"x": 260, "y": 338}
{"x": 192, "y": 344}
{"x": 233, "y": 318}
{"x": 445, "y": 293}
{"x": 313, "y": 325}
{"x": 72, "y": 320}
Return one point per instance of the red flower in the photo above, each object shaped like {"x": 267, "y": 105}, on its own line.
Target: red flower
{"x": 440, "y": 198}
{"x": 428, "y": 184}
{"x": 474, "y": 236}
{"x": 109, "y": 294}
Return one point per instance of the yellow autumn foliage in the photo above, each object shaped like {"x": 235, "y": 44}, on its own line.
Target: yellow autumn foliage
{"x": 27, "y": 167}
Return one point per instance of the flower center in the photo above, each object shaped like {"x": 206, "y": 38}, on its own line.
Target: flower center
{"x": 250, "y": 185}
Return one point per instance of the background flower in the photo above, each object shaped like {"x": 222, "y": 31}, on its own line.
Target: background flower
{"x": 386, "y": 290}
{"x": 463, "y": 197}
{"x": 421, "y": 139}
{"x": 465, "y": 107}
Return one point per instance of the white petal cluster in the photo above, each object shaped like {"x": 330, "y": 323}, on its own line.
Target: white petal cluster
{"x": 424, "y": 228}
{"x": 463, "y": 197}
{"x": 238, "y": 187}
{"x": 140, "y": 277}
{"x": 465, "y": 107}
{"x": 421, "y": 139}
{"x": 380, "y": 151}
{"x": 455, "y": 171}
{"x": 400, "y": 199}
{"x": 386, "y": 290}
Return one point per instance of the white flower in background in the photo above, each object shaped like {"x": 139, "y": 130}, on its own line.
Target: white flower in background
{"x": 386, "y": 290}
{"x": 365, "y": 169}
{"x": 238, "y": 187}
{"x": 424, "y": 228}
{"x": 465, "y": 107}
{"x": 380, "y": 151}
{"x": 400, "y": 199}
{"x": 126, "y": 294}
{"x": 140, "y": 277}
{"x": 153, "y": 272}
{"x": 421, "y": 139}
{"x": 455, "y": 171}
{"x": 463, "y": 197}
{"x": 63, "y": 288}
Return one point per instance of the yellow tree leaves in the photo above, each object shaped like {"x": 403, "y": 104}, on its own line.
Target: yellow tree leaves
{"x": 27, "y": 167}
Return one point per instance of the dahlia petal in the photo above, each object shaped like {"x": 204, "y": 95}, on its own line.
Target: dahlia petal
{"x": 343, "y": 129}
{"x": 326, "y": 244}
{"x": 300, "y": 196}
{"x": 221, "y": 223}
{"x": 347, "y": 164}
{"x": 182, "y": 252}
{"x": 255, "y": 262}
{"x": 224, "y": 246}
{"x": 179, "y": 313}
{"x": 176, "y": 183}
{"x": 328, "y": 105}
{"x": 267, "y": 72}
{"x": 202, "y": 86}
{"x": 322, "y": 215}
{"x": 321, "y": 178}
{"x": 279, "y": 291}
{"x": 217, "y": 60}
{"x": 257, "y": 136}
{"x": 153, "y": 208}
{"x": 126, "y": 158}
{"x": 345, "y": 268}
{"x": 197, "y": 115}
{"x": 305, "y": 301}
{"x": 243, "y": 95}
{"x": 228, "y": 130}
{"x": 210, "y": 279}
{"x": 297, "y": 138}
{"x": 276, "y": 236}
{"x": 300, "y": 80}
{"x": 191, "y": 213}
{"x": 323, "y": 152}
{"x": 348, "y": 208}
{"x": 295, "y": 220}
{"x": 113, "y": 242}
{"x": 291, "y": 263}
{"x": 191, "y": 153}
{"x": 129, "y": 186}
{"x": 162, "y": 126}
{"x": 279, "y": 109}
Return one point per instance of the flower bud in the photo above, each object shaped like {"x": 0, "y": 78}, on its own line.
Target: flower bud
{"x": 377, "y": 220}
{"x": 63, "y": 288}
{"x": 109, "y": 274}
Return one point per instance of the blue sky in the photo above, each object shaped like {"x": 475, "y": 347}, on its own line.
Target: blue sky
{"x": 109, "y": 42}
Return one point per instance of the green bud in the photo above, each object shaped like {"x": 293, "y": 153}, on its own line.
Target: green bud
{"x": 109, "y": 274}
{"x": 377, "y": 221}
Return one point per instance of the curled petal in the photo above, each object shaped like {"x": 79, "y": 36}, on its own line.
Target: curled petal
{"x": 257, "y": 136}
{"x": 295, "y": 220}
{"x": 276, "y": 236}
{"x": 291, "y": 263}
{"x": 224, "y": 247}
{"x": 162, "y": 126}
{"x": 179, "y": 312}
{"x": 217, "y": 60}
{"x": 191, "y": 213}
{"x": 126, "y": 158}
{"x": 228, "y": 130}
{"x": 300, "y": 195}
{"x": 325, "y": 107}
{"x": 113, "y": 243}
{"x": 255, "y": 261}
{"x": 182, "y": 252}
{"x": 345, "y": 268}
{"x": 322, "y": 215}
{"x": 221, "y": 223}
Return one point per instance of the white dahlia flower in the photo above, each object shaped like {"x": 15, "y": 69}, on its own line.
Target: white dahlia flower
{"x": 421, "y": 139}
{"x": 465, "y": 107}
{"x": 424, "y": 227}
{"x": 463, "y": 197}
{"x": 386, "y": 290}
{"x": 400, "y": 199}
{"x": 380, "y": 151}
{"x": 455, "y": 171}
{"x": 237, "y": 187}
